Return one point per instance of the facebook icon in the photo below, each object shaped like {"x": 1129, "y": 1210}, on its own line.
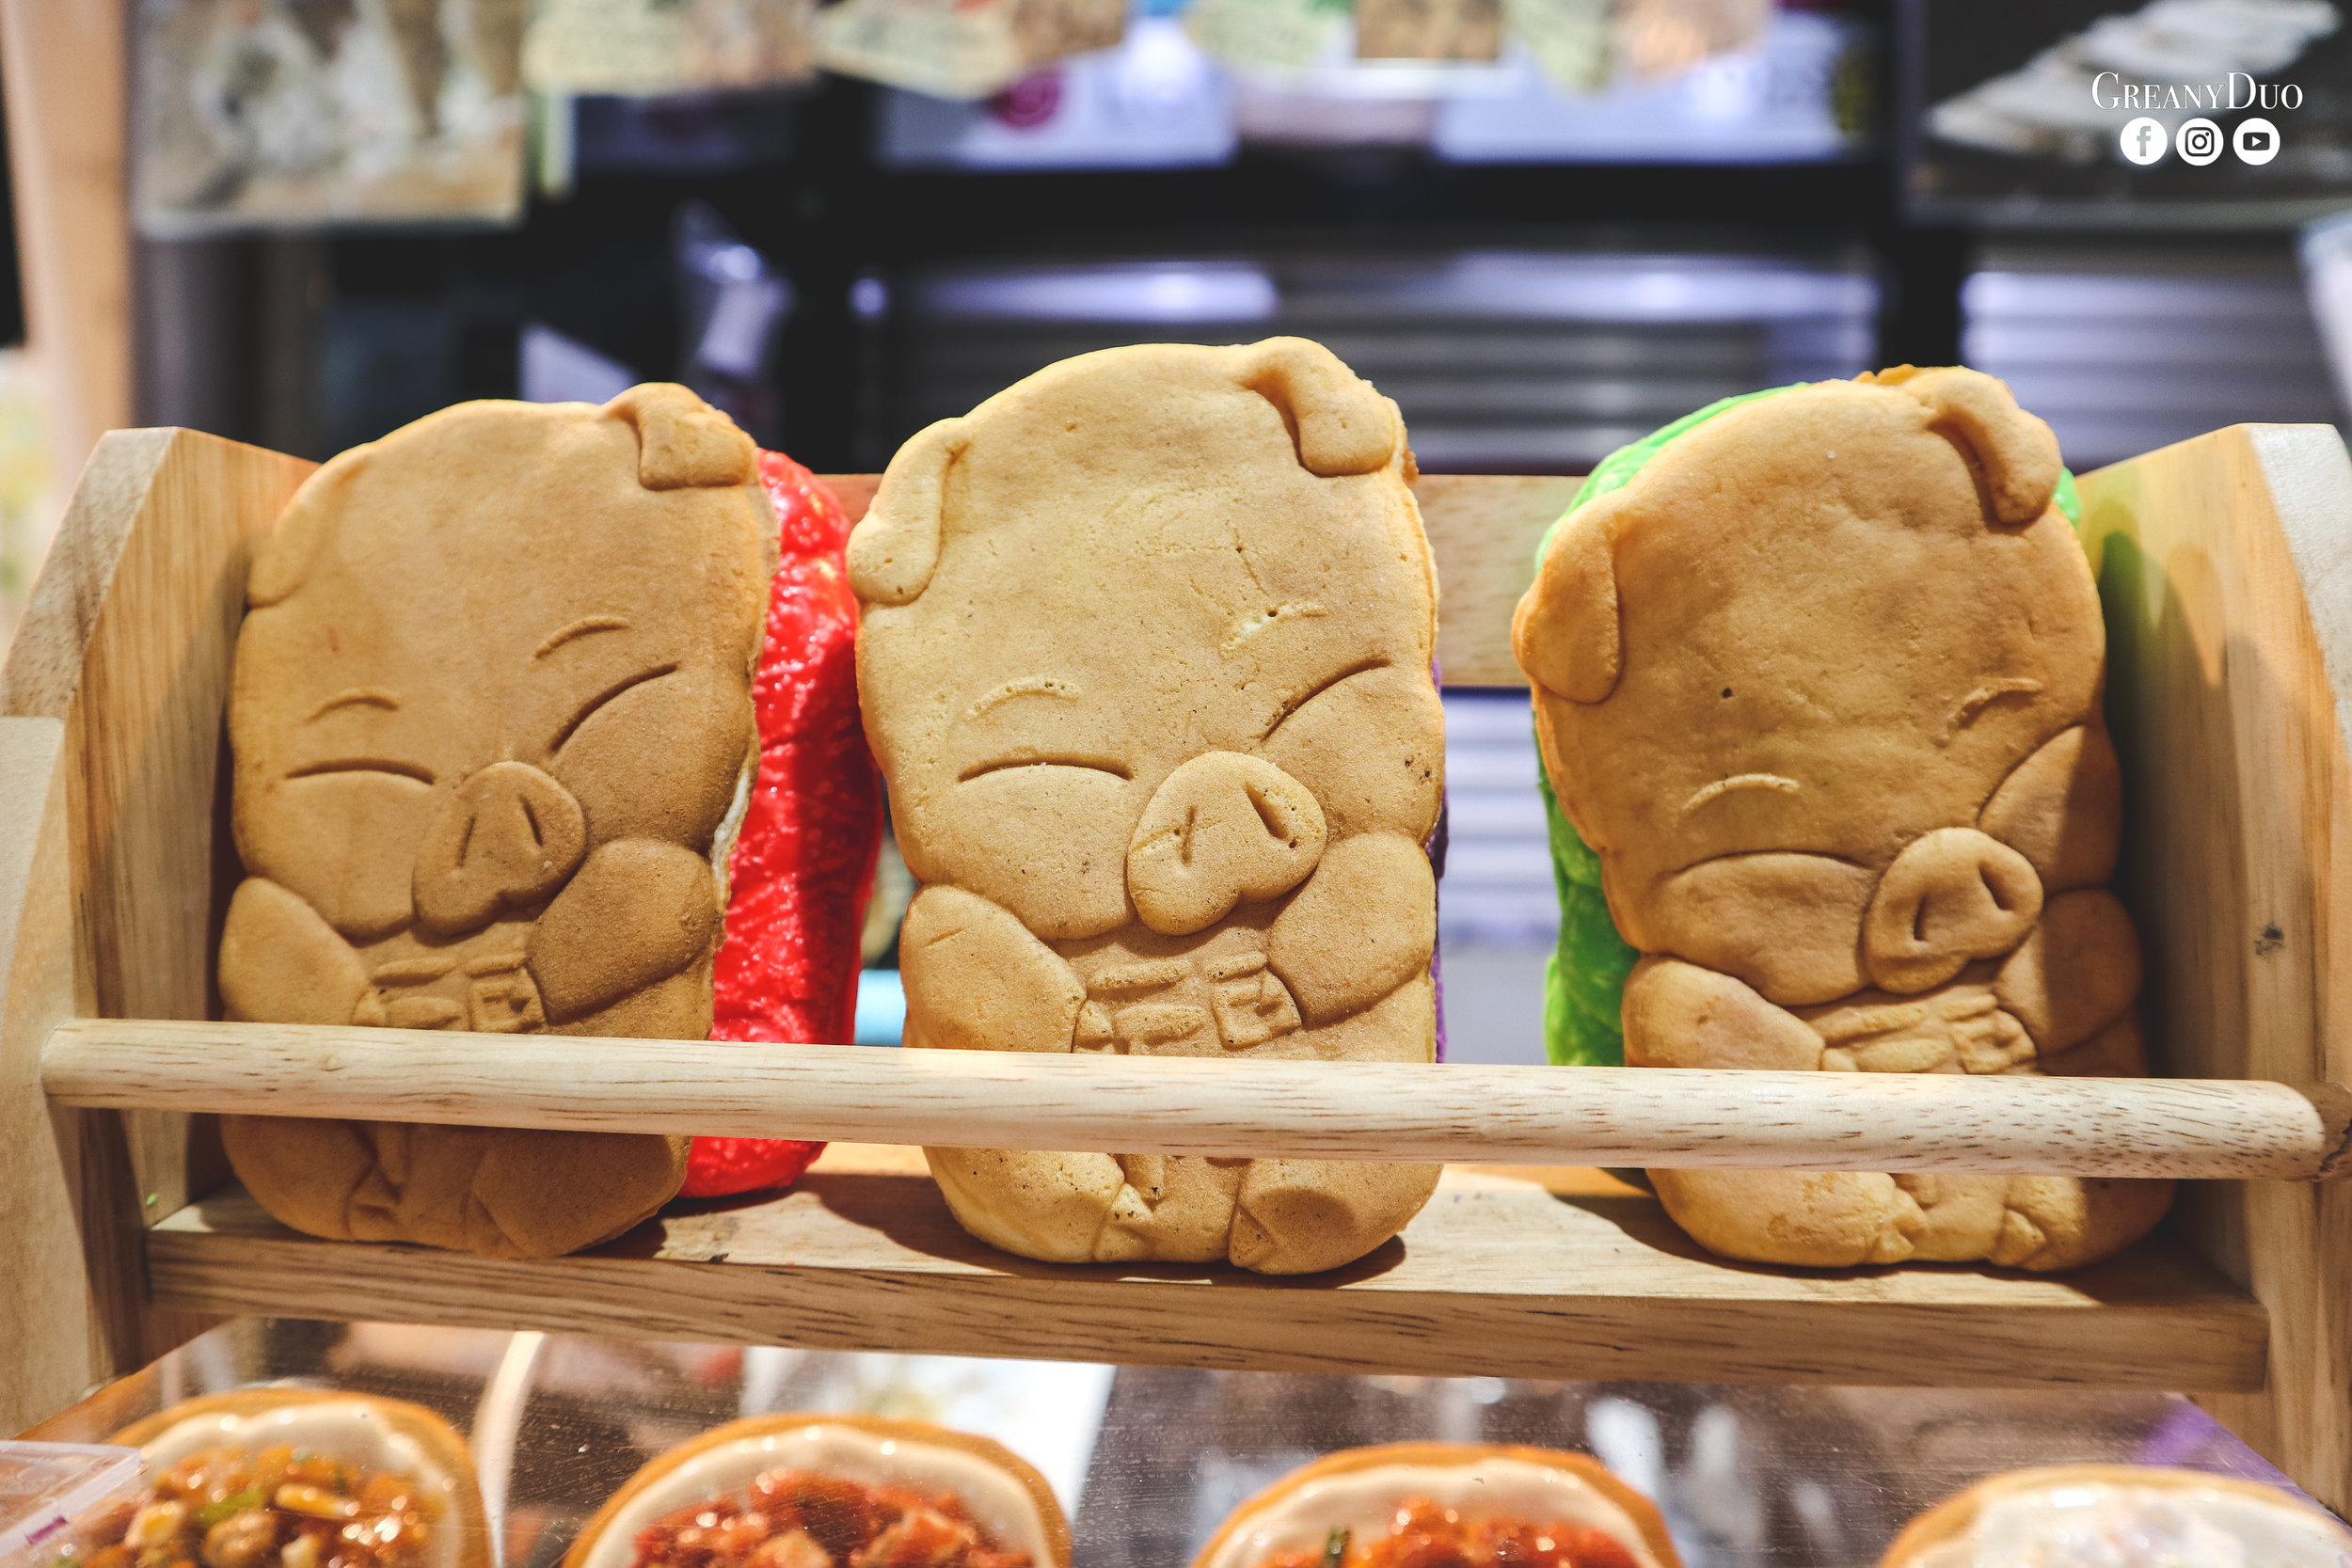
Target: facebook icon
{"x": 2143, "y": 140}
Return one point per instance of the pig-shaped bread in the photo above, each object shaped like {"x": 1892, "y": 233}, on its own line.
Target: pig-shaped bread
{"x": 1820, "y": 684}
{"x": 1145, "y": 659}
{"x": 492, "y": 725}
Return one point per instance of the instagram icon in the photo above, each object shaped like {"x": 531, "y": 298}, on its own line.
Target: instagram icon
{"x": 2198, "y": 141}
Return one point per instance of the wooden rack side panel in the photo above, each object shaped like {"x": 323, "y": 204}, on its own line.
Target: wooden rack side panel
{"x": 125, "y": 647}
{"x": 2225, "y": 569}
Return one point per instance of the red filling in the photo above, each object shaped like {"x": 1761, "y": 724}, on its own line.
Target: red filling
{"x": 1424, "y": 1535}
{"x": 803, "y": 864}
{"x": 792, "y": 1519}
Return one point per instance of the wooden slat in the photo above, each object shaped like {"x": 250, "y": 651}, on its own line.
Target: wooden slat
{"x": 1498, "y": 1276}
{"x": 2225, "y": 572}
{"x": 1482, "y": 530}
{"x": 113, "y": 694}
{"x": 68, "y": 1288}
{"x": 1207, "y": 1106}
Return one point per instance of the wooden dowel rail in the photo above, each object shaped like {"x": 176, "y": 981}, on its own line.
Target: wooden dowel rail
{"x": 2105, "y": 1127}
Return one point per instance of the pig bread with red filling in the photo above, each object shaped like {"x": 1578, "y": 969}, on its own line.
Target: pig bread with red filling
{"x": 492, "y": 725}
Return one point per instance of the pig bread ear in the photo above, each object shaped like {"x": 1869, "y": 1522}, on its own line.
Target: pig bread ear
{"x": 682, "y": 442}
{"x": 1565, "y": 633}
{"x": 1341, "y": 424}
{"x": 894, "y": 550}
{"x": 284, "y": 558}
{"x": 2015, "y": 453}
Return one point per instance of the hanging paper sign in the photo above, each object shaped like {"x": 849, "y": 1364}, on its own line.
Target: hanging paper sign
{"x": 1573, "y": 42}
{"x": 1428, "y": 30}
{"x": 1286, "y": 37}
{"x": 262, "y": 113}
{"x": 645, "y": 48}
{"x": 1664, "y": 38}
{"x": 960, "y": 49}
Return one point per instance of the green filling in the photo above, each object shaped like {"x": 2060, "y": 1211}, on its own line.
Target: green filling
{"x": 1584, "y": 977}
{"x": 209, "y": 1514}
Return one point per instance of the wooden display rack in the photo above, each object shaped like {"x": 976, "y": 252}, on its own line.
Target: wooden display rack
{"x": 2226, "y": 565}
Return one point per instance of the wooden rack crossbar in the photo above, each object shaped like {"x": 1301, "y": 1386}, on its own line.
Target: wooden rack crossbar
{"x": 2102, "y": 1127}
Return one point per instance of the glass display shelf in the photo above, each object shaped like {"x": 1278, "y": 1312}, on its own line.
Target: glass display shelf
{"x": 1148, "y": 1460}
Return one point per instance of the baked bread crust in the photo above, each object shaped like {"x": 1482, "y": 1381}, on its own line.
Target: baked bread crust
{"x": 1048, "y": 1509}
{"x": 1820, "y": 685}
{"x": 491, "y": 724}
{"x": 1956, "y": 1515}
{"x": 1638, "y": 1508}
{"x": 462, "y": 1505}
{"x": 1145, "y": 658}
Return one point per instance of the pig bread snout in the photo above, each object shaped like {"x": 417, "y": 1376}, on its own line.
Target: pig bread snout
{"x": 507, "y": 838}
{"x": 1221, "y": 827}
{"x": 1952, "y": 896}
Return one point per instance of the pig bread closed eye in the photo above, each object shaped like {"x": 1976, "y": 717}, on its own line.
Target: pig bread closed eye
{"x": 1341, "y": 424}
{"x": 2014, "y": 453}
{"x": 682, "y": 442}
{"x": 895, "y": 548}
{"x": 1565, "y": 633}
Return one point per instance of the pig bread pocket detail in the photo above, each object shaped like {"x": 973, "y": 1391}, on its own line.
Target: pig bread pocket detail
{"x": 490, "y": 710}
{"x": 1837, "y": 748}
{"x": 1145, "y": 659}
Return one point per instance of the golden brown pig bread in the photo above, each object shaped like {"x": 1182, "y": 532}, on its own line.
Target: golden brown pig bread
{"x": 492, "y": 725}
{"x": 1820, "y": 685}
{"x": 1145, "y": 659}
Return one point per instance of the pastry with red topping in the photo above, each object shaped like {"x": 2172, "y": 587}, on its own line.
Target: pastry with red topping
{"x": 800, "y": 1491}
{"x": 1444, "y": 1505}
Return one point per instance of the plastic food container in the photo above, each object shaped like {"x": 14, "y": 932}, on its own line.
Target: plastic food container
{"x": 45, "y": 1486}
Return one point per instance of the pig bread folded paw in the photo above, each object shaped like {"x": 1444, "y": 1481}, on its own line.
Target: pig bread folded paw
{"x": 2062, "y": 809}
{"x": 2077, "y": 972}
{"x": 1678, "y": 1014}
{"x": 2115, "y": 1052}
{"x": 1782, "y": 922}
{"x": 1370, "y": 750}
{"x": 976, "y": 980}
{"x": 639, "y": 911}
{"x": 1363, "y": 925}
{"x": 282, "y": 962}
